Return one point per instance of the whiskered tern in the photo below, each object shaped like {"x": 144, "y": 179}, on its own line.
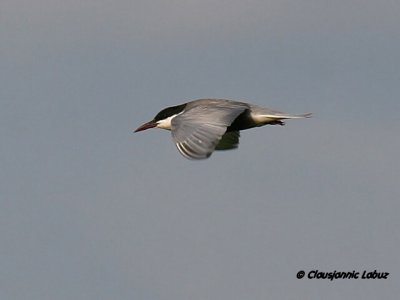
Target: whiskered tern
{"x": 201, "y": 126}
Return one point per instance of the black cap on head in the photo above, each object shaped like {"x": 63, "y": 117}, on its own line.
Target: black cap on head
{"x": 169, "y": 111}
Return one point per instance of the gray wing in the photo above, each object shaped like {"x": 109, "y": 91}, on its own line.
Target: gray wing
{"x": 198, "y": 130}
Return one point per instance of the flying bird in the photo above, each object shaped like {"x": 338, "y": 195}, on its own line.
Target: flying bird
{"x": 201, "y": 126}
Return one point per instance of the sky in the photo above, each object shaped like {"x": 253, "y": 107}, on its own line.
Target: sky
{"x": 91, "y": 210}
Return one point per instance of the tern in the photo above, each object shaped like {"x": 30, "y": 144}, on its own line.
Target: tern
{"x": 201, "y": 126}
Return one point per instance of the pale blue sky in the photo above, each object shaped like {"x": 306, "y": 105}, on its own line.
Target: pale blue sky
{"x": 89, "y": 210}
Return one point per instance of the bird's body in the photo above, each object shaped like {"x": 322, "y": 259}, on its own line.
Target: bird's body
{"x": 201, "y": 126}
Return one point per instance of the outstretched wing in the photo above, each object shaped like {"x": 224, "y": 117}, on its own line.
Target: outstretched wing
{"x": 198, "y": 130}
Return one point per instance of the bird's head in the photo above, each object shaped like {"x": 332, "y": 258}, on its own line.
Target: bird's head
{"x": 163, "y": 118}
